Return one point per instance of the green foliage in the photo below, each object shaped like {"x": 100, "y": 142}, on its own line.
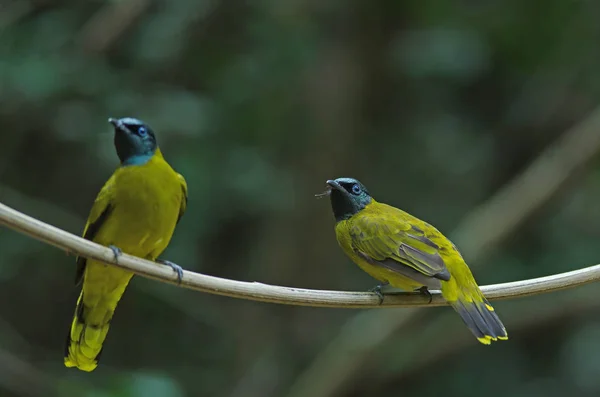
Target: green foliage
{"x": 434, "y": 105}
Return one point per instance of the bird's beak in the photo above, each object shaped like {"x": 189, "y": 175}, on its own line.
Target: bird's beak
{"x": 334, "y": 185}
{"x": 118, "y": 124}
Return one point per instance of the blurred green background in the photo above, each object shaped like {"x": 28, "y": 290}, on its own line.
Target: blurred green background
{"x": 435, "y": 105}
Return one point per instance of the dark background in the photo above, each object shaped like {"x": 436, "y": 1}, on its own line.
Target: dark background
{"x": 478, "y": 117}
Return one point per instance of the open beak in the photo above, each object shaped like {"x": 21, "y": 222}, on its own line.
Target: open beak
{"x": 118, "y": 124}
{"x": 334, "y": 185}
{"x": 331, "y": 184}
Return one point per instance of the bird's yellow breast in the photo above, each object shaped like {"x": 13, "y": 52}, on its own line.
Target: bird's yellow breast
{"x": 343, "y": 232}
{"x": 146, "y": 203}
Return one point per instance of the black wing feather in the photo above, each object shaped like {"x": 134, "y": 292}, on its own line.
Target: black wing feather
{"x": 90, "y": 233}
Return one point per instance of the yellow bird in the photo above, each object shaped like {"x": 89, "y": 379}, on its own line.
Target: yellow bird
{"x": 135, "y": 212}
{"x": 398, "y": 249}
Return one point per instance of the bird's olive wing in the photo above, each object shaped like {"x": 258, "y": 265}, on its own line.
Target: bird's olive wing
{"x": 396, "y": 244}
{"x": 103, "y": 206}
{"x": 184, "y": 197}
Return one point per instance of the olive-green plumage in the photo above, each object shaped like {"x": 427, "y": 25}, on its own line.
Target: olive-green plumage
{"x": 135, "y": 212}
{"x": 396, "y": 248}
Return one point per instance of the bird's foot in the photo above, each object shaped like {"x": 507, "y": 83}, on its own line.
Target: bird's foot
{"x": 173, "y": 266}
{"x": 426, "y": 292}
{"x": 116, "y": 252}
{"x": 378, "y": 292}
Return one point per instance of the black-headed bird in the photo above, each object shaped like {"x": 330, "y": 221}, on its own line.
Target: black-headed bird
{"x": 135, "y": 212}
{"x": 398, "y": 249}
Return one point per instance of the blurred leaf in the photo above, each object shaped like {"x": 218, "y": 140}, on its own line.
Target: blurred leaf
{"x": 152, "y": 384}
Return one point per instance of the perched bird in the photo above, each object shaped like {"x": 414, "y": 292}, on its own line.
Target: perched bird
{"x": 135, "y": 212}
{"x": 398, "y": 249}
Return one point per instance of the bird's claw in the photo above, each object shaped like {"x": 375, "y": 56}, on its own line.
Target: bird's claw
{"x": 116, "y": 252}
{"x": 426, "y": 292}
{"x": 377, "y": 291}
{"x": 175, "y": 267}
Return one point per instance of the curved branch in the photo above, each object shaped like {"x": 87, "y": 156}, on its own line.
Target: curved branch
{"x": 275, "y": 294}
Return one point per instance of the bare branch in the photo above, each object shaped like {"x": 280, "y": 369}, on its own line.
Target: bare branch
{"x": 271, "y": 293}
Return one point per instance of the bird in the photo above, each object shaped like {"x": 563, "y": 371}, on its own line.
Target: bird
{"x": 135, "y": 212}
{"x": 405, "y": 252}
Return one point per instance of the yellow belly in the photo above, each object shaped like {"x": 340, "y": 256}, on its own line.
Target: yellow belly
{"x": 386, "y": 276}
{"x": 146, "y": 207}
{"x": 147, "y": 202}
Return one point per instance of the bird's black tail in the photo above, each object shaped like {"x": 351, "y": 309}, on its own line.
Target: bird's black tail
{"x": 481, "y": 319}
{"x": 475, "y": 310}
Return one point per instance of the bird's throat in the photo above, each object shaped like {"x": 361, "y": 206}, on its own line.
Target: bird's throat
{"x": 342, "y": 207}
{"x": 138, "y": 159}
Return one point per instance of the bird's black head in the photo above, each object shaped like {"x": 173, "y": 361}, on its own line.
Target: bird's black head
{"x": 134, "y": 140}
{"x": 348, "y": 196}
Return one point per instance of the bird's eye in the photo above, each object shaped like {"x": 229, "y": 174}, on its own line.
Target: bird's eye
{"x": 142, "y": 131}
{"x": 356, "y": 189}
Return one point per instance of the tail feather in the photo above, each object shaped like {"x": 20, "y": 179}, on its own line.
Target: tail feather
{"x": 463, "y": 294}
{"x": 87, "y": 334}
{"x": 481, "y": 319}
